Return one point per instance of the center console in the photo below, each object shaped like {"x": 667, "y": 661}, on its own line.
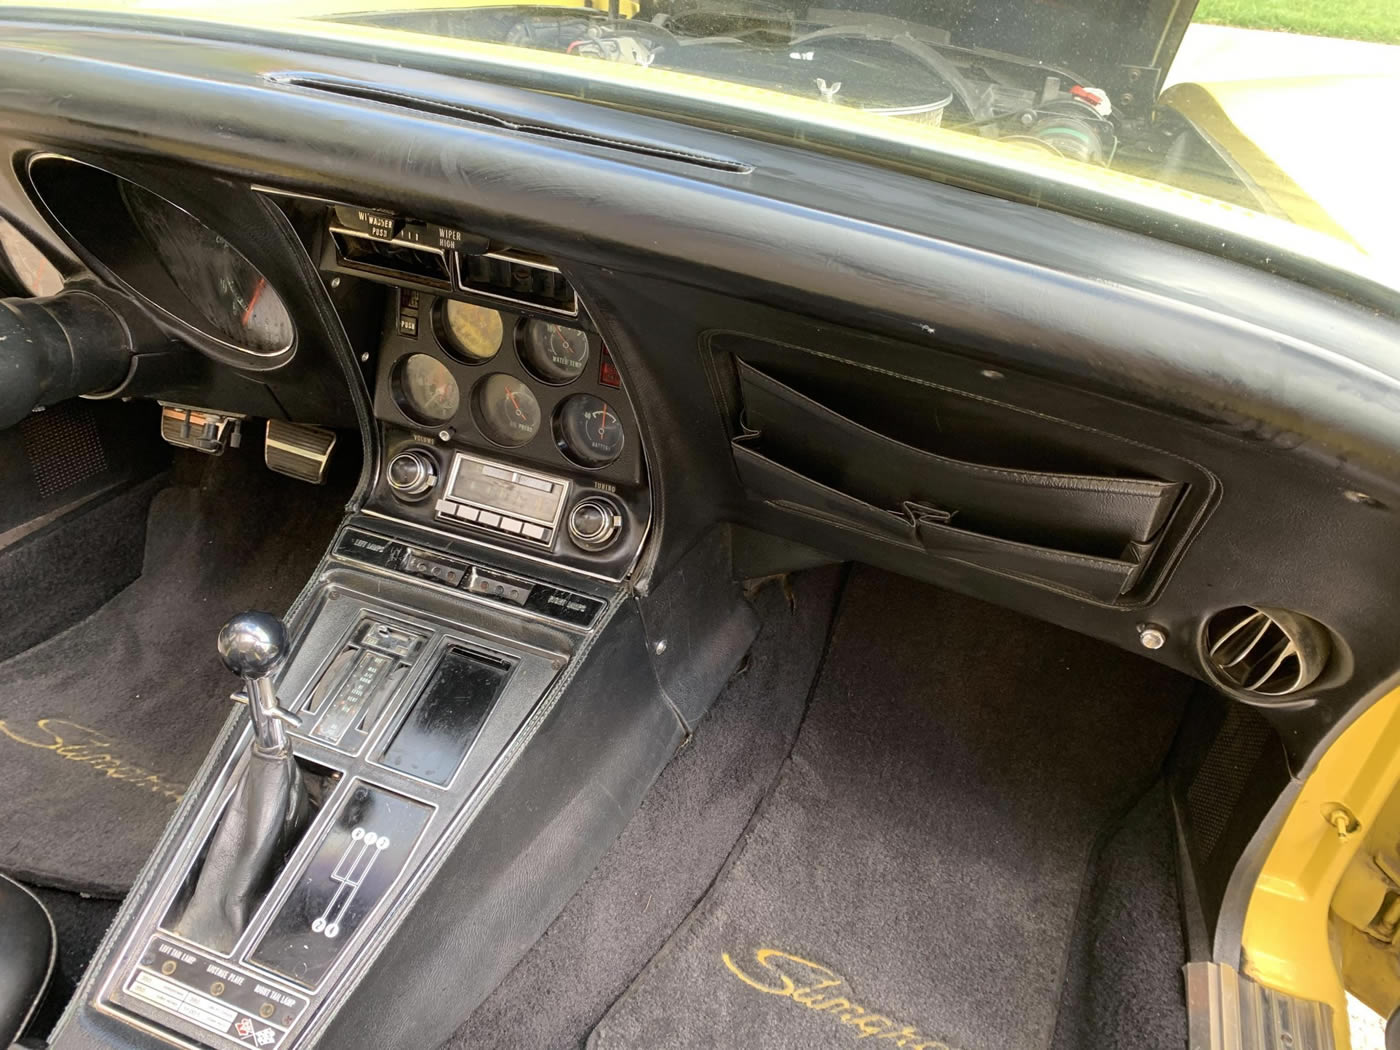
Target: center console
{"x": 413, "y": 674}
{"x": 460, "y": 712}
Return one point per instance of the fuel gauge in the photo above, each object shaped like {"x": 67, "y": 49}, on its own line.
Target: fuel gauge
{"x": 588, "y": 430}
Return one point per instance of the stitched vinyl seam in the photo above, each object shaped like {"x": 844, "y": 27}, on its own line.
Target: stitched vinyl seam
{"x": 389, "y": 96}
{"x": 339, "y": 344}
{"x": 53, "y": 955}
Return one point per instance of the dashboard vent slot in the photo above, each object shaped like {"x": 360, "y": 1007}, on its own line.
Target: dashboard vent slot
{"x": 1267, "y": 653}
{"x": 393, "y": 257}
{"x": 518, "y": 278}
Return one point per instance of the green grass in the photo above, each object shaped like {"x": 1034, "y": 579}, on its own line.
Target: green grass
{"x": 1377, "y": 20}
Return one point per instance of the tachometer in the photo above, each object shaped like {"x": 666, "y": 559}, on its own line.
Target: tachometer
{"x": 588, "y": 430}
{"x": 239, "y": 305}
{"x": 468, "y": 332}
{"x": 506, "y": 409}
{"x": 553, "y": 353}
{"x": 425, "y": 389}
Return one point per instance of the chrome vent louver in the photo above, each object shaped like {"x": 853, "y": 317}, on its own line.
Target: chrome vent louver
{"x": 1269, "y": 653}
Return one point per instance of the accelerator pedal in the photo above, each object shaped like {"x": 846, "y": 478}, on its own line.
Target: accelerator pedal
{"x": 298, "y": 450}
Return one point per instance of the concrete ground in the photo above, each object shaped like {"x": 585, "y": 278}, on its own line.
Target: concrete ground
{"x": 1214, "y": 53}
{"x": 1367, "y": 1028}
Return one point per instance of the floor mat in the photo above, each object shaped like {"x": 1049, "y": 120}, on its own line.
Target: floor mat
{"x": 102, "y": 726}
{"x": 672, "y": 848}
{"x": 915, "y": 875}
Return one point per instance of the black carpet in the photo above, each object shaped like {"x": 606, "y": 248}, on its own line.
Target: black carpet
{"x": 673, "y": 847}
{"x": 1124, "y": 989}
{"x": 917, "y": 871}
{"x": 102, "y": 726}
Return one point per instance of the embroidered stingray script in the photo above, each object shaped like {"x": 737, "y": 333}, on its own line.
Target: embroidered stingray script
{"x": 92, "y": 747}
{"x": 815, "y": 987}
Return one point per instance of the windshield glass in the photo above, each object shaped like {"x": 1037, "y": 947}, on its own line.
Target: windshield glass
{"x": 1271, "y": 136}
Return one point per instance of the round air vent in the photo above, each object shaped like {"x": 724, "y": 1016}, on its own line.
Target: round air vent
{"x": 1269, "y": 653}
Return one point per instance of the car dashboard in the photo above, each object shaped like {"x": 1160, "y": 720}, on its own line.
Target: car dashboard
{"x": 573, "y": 368}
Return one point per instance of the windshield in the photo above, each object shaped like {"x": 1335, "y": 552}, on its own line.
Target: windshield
{"x": 1159, "y": 122}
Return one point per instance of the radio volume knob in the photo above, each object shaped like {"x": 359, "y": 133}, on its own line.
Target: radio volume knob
{"x": 412, "y": 474}
{"x": 594, "y": 523}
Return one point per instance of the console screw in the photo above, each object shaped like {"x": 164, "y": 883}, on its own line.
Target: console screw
{"x": 1151, "y": 636}
{"x": 444, "y": 435}
{"x": 659, "y": 647}
{"x": 335, "y": 282}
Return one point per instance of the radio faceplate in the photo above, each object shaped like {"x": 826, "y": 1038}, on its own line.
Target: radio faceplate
{"x": 523, "y": 504}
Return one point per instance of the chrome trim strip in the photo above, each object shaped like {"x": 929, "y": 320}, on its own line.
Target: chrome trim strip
{"x": 508, "y": 551}
{"x": 499, "y": 297}
{"x": 475, "y": 599}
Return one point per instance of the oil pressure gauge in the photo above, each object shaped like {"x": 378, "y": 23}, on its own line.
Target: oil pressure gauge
{"x": 588, "y": 430}
{"x": 506, "y": 410}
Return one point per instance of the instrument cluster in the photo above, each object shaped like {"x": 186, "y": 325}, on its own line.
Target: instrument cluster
{"x": 491, "y": 378}
{"x": 509, "y": 426}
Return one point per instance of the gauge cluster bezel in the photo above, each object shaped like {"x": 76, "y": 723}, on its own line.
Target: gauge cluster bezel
{"x": 88, "y": 211}
{"x": 465, "y": 428}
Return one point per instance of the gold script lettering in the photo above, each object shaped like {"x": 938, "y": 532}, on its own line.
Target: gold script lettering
{"x": 80, "y": 743}
{"x": 804, "y": 982}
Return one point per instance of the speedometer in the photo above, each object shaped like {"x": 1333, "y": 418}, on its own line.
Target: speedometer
{"x": 35, "y": 272}
{"x": 228, "y": 292}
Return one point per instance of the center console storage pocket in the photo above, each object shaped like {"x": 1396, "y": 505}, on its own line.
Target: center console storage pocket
{"x": 1085, "y": 530}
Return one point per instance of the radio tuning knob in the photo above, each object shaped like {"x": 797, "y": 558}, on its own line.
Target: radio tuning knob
{"x": 412, "y": 474}
{"x": 594, "y": 522}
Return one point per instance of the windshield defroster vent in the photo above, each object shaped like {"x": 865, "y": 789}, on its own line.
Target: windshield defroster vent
{"x": 1268, "y": 653}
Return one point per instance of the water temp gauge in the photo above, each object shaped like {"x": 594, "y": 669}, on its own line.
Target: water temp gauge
{"x": 552, "y": 352}
{"x": 589, "y": 431}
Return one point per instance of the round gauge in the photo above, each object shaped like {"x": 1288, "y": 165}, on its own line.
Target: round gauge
{"x": 425, "y": 389}
{"x": 553, "y": 354}
{"x": 506, "y": 409}
{"x": 35, "y": 272}
{"x": 468, "y": 332}
{"x": 589, "y": 431}
{"x": 225, "y": 289}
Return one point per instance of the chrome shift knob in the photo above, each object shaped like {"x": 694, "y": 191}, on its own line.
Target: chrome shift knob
{"x": 253, "y": 646}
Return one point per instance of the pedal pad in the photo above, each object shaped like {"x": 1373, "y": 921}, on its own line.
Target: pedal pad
{"x": 298, "y": 450}
{"x": 201, "y": 429}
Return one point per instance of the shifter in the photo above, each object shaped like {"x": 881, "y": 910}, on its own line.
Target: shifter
{"x": 253, "y": 646}
{"x": 267, "y": 812}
